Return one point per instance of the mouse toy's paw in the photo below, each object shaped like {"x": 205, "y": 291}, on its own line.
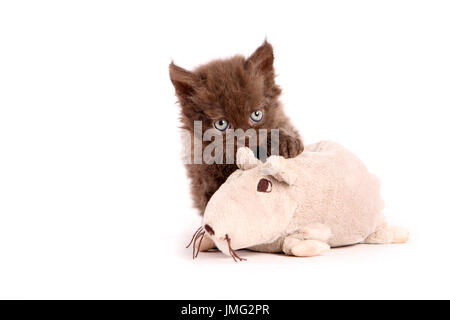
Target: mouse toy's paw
{"x": 304, "y": 248}
{"x": 310, "y": 248}
{"x": 400, "y": 235}
{"x": 388, "y": 234}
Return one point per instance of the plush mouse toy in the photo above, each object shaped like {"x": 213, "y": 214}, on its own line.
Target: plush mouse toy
{"x": 302, "y": 206}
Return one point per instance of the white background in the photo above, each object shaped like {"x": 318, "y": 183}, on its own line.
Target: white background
{"x": 94, "y": 202}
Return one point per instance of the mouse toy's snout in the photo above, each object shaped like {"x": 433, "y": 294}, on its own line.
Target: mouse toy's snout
{"x": 200, "y": 234}
{"x": 209, "y": 229}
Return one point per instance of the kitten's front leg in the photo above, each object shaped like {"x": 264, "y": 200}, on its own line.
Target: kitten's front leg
{"x": 290, "y": 144}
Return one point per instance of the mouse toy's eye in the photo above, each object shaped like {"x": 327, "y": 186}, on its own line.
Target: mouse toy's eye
{"x": 256, "y": 116}
{"x": 221, "y": 124}
{"x": 264, "y": 185}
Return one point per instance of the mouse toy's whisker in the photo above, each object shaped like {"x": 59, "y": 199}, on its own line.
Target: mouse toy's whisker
{"x": 200, "y": 234}
{"x": 193, "y": 237}
{"x": 229, "y": 248}
{"x": 236, "y": 256}
{"x": 200, "y": 243}
{"x": 233, "y": 253}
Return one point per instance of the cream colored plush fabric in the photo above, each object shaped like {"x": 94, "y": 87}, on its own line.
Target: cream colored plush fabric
{"x": 323, "y": 198}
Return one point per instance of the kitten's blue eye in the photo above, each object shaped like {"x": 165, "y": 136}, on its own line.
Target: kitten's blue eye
{"x": 221, "y": 124}
{"x": 256, "y": 116}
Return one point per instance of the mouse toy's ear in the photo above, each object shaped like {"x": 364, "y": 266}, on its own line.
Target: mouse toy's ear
{"x": 279, "y": 168}
{"x": 245, "y": 159}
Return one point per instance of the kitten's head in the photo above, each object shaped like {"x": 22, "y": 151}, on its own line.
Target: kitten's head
{"x": 236, "y": 93}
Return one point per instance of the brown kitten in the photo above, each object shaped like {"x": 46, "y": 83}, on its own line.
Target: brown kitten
{"x": 231, "y": 90}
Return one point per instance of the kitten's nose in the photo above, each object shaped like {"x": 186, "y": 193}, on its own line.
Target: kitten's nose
{"x": 209, "y": 229}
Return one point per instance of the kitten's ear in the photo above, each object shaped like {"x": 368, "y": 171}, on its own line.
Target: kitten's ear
{"x": 184, "y": 81}
{"x": 262, "y": 59}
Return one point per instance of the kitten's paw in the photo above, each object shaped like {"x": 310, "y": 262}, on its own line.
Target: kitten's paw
{"x": 290, "y": 146}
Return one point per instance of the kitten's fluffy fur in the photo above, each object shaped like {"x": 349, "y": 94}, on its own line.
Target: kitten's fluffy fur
{"x": 231, "y": 89}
